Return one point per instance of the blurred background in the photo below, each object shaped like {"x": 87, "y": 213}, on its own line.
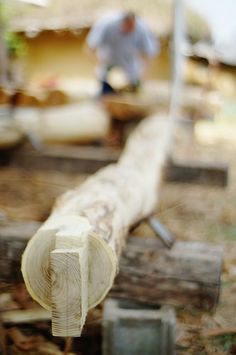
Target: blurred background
{"x": 55, "y": 130}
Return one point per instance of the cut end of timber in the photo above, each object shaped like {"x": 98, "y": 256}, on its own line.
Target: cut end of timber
{"x": 69, "y": 281}
{"x": 52, "y": 264}
{"x": 69, "y": 290}
{"x": 113, "y": 200}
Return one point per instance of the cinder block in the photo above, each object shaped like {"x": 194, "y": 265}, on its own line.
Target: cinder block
{"x": 134, "y": 329}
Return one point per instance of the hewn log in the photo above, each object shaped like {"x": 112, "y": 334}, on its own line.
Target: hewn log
{"x": 187, "y": 274}
{"x": 111, "y": 201}
{"x": 88, "y": 159}
{"x": 198, "y": 173}
{"x": 148, "y": 272}
{"x": 78, "y": 122}
{"x": 13, "y": 239}
{"x": 68, "y": 159}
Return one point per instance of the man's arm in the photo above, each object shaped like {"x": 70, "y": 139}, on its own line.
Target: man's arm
{"x": 148, "y": 43}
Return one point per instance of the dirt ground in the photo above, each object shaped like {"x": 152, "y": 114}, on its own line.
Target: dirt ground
{"x": 191, "y": 212}
{"x": 206, "y": 213}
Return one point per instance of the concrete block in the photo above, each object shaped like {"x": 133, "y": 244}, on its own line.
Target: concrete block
{"x": 134, "y": 329}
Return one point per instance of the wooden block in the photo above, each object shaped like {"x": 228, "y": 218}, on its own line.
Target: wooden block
{"x": 68, "y": 302}
{"x": 69, "y": 159}
{"x": 89, "y": 159}
{"x": 198, "y": 173}
{"x": 188, "y": 274}
{"x": 13, "y": 239}
{"x": 132, "y": 329}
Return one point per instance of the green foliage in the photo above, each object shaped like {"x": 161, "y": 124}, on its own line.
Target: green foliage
{"x": 226, "y": 341}
{"x": 16, "y": 46}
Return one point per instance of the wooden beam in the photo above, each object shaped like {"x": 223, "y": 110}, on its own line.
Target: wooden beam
{"x": 86, "y": 159}
{"x": 89, "y": 159}
{"x": 69, "y": 279}
{"x": 13, "y": 239}
{"x": 111, "y": 201}
{"x": 149, "y": 273}
{"x": 197, "y": 173}
{"x": 187, "y": 274}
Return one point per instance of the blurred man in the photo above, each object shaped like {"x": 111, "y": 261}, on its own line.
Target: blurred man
{"x": 124, "y": 41}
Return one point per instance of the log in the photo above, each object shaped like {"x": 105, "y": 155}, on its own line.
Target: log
{"x": 88, "y": 159}
{"x": 148, "y": 272}
{"x": 110, "y": 202}
{"x": 187, "y": 274}
{"x": 213, "y": 174}
{"x": 13, "y": 239}
{"x": 68, "y": 159}
{"x": 82, "y": 122}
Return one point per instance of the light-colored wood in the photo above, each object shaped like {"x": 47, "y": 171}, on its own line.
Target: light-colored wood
{"x": 69, "y": 280}
{"x": 111, "y": 201}
{"x": 26, "y": 316}
{"x": 186, "y": 275}
{"x": 71, "y": 123}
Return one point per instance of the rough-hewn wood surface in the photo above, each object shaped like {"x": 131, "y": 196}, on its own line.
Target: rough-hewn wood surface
{"x": 88, "y": 159}
{"x": 187, "y": 275}
{"x": 111, "y": 201}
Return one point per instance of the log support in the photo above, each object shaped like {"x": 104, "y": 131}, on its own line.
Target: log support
{"x": 69, "y": 278}
{"x": 149, "y": 272}
{"x": 88, "y": 160}
{"x": 130, "y": 329}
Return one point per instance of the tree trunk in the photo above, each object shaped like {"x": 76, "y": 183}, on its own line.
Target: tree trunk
{"x": 71, "y": 123}
{"x": 102, "y": 210}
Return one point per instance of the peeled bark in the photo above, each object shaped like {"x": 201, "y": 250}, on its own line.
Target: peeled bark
{"x": 108, "y": 204}
{"x": 82, "y": 122}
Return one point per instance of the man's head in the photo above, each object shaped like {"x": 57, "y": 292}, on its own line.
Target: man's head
{"x": 128, "y": 22}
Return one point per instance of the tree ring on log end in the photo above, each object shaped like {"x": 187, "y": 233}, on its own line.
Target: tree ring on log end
{"x": 36, "y": 263}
